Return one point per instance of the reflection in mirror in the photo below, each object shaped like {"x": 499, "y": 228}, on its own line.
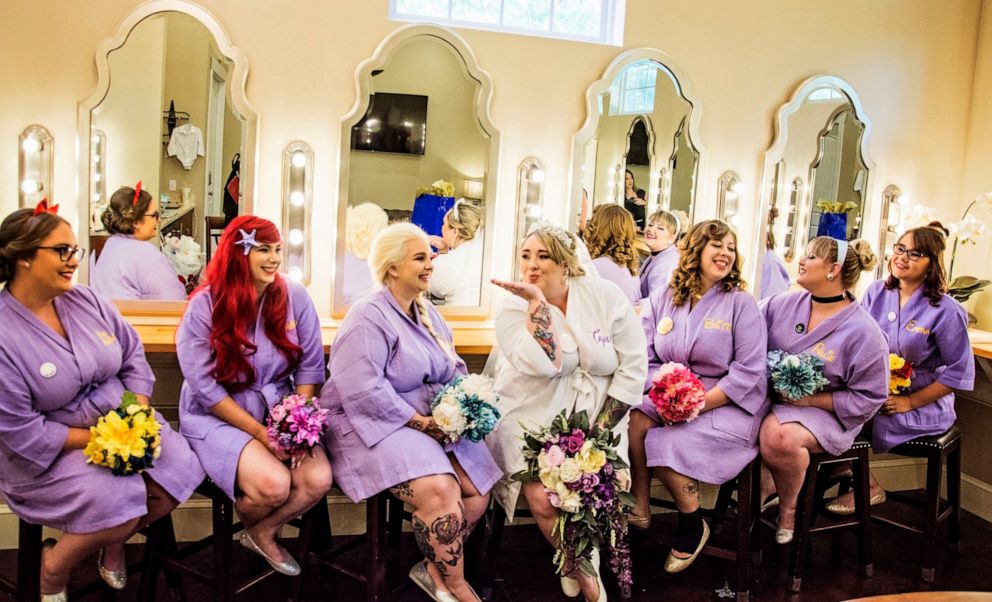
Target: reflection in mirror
{"x": 817, "y": 169}
{"x": 530, "y": 203}
{"x": 892, "y": 204}
{"x": 639, "y": 143}
{"x": 728, "y": 193}
{"x": 420, "y": 146}
{"x": 169, "y": 112}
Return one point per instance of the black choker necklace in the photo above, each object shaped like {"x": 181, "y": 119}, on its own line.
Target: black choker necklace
{"x": 828, "y": 299}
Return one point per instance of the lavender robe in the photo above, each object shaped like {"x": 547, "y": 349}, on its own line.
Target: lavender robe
{"x": 620, "y": 276}
{"x": 774, "y": 276}
{"x": 385, "y": 367}
{"x": 135, "y": 269}
{"x": 217, "y": 443}
{"x": 656, "y": 271}
{"x": 856, "y": 362}
{"x": 935, "y": 341}
{"x": 722, "y": 340}
{"x": 357, "y": 278}
{"x": 86, "y": 377}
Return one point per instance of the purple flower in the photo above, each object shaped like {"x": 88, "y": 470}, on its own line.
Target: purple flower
{"x": 588, "y": 482}
{"x": 572, "y": 443}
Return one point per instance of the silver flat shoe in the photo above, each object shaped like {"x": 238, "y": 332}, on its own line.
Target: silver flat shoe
{"x": 420, "y": 576}
{"x": 115, "y": 579}
{"x": 286, "y": 567}
{"x": 62, "y": 596}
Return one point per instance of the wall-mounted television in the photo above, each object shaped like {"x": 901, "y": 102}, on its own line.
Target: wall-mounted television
{"x": 394, "y": 123}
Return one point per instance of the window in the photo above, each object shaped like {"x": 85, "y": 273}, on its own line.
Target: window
{"x": 599, "y": 21}
{"x": 633, "y": 94}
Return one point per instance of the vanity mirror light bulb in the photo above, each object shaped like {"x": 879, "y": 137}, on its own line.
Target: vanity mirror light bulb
{"x": 296, "y": 273}
{"x": 534, "y": 211}
{"x": 299, "y": 159}
{"x": 297, "y": 198}
{"x": 735, "y": 220}
{"x": 738, "y": 188}
{"x": 31, "y": 145}
{"x": 295, "y": 237}
{"x": 96, "y": 158}
{"x": 95, "y": 140}
{"x": 30, "y": 186}
{"x": 96, "y": 198}
{"x": 537, "y": 175}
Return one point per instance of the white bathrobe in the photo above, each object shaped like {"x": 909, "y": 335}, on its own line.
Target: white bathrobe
{"x": 604, "y": 353}
{"x": 457, "y": 276}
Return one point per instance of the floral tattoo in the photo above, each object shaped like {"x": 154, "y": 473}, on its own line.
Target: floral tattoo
{"x": 541, "y": 317}
{"x": 430, "y": 428}
{"x": 613, "y": 411}
{"x": 446, "y": 530}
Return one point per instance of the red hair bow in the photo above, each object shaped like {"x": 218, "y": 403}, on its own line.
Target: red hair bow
{"x": 42, "y": 207}
{"x": 137, "y": 193}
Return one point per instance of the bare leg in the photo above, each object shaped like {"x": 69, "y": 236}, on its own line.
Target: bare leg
{"x": 58, "y": 562}
{"x": 545, "y": 516}
{"x": 265, "y": 483}
{"x": 439, "y": 527}
{"x": 785, "y": 449}
{"x": 767, "y": 486}
{"x": 848, "y": 498}
{"x": 309, "y": 483}
{"x": 640, "y": 474}
{"x": 160, "y": 503}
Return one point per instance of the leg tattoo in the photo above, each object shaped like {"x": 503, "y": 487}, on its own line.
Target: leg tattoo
{"x": 403, "y": 490}
{"x": 691, "y": 488}
{"x": 447, "y": 530}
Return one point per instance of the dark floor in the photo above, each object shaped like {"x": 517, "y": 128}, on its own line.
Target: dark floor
{"x": 525, "y": 572}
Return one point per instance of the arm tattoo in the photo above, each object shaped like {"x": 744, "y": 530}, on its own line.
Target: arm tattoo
{"x": 691, "y": 488}
{"x": 443, "y": 541}
{"x": 431, "y": 429}
{"x": 613, "y": 411}
{"x": 403, "y": 490}
{"x": 541, "y": 317}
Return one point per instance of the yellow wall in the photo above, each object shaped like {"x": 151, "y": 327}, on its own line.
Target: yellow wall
{"x": 911, "y": 61}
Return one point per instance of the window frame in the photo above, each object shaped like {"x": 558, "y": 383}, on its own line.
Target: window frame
{"x": 612, "y": 21}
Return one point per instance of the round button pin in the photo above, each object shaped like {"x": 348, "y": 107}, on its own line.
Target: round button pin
{"x": 892, "y": 316}
{"x": 665, "y": 325}
{"x": 48, "y": 370}
{"x": 800, "y": 328}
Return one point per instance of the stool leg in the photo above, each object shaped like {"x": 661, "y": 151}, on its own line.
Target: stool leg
{"x": 954, "y": 497}
{"x": 151, "y": 564}
{"x": 862, "y": 509}
{"x": 317, "y": 525}
{"x": 744, "y": 509}
{"x": 223, "y": 525}
{"x": 931, "y": 512}
{"x": 724, "y": 498}
{"x": 394, "y": 520}
{"x": 375, "y": 526}
{"x": 495, "y": 521}
{"x": 28, "y": 562}
{"x": 805, "y": 511}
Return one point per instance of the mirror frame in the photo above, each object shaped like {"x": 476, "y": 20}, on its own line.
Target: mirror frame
{"x": 591, "y": 123}
{"x": 483, "y": 109}
{"x": 239, "y": 99}
{"x": 870, "y": 220}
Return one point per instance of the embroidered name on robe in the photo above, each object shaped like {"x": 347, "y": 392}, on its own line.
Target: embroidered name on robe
{"x": 599, "y": 337}
{"x": 827, "y": 355}
{"x": 291, "y": 325}
{"x": 716, "y": 324}
{"x": 106, "y": 337}
{"x": 912, "y": 327}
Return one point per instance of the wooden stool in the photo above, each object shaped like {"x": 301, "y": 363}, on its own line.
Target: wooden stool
{"x": 936, "y": 449}
{"x": 745, "y": 516}
{"x": 811, "y": 503}
{"x": 27, "y": 587}
{"x": 174, "y": 561}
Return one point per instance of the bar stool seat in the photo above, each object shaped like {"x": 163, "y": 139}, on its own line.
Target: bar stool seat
{"x": 936, "y": 449}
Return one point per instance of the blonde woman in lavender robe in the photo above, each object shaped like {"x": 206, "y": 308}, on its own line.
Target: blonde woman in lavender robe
{"x": 926, "y": 327}
{"x": 824, "y": 321}
{"x": 457, "y": 276}
{"x": 706, "y": 321}
{"x": 66, "y": 358}
{"x": 362, "y": 223}
{"x": 391, "y": 356}
{"x": 567, "y": 342}
{"x": 130, "y": 266}
{"x": 661, "y": 235}
{"x": 610, "y": 238}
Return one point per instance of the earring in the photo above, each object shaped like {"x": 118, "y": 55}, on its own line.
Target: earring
{"x": 830, "y": 276}
{"x": 26, "y": 264}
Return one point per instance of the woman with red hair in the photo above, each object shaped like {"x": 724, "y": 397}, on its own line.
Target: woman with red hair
{"x": 250, "y": 337}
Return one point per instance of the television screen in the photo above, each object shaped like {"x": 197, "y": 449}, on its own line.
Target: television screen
{"x": 394, "y": 123}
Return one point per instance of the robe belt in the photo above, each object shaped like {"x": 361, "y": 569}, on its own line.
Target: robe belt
{"x": 272, "y": 393}
{"x": 583, "y": 384}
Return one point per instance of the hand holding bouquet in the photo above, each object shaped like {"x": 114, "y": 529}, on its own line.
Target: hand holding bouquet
{"x": 585, "y": 479}
{"x": 678, "y": 394}
{"x": 900, "y": 374}
{"x": 126, "y": 440}
{"x": 466, "y": 408}
{"x": 795, "y": 376}
{"x": 295, "y": 425}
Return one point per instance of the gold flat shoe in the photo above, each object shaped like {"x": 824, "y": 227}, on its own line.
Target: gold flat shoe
{"x": 115, "y": 579}
{"x": 422, "y": 578}
{"x": 62, "y": 596}
{"x": 841, "y": 509}
{"x": 674, "y": 564}
{"x": 286, "y": 567}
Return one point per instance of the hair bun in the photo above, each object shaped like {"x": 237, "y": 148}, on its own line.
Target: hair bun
{"x": 866, "y": 257}
{"x": 939, "y": 227}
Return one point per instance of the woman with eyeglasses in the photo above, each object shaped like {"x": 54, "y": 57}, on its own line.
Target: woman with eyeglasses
{"x": 929, "y": 329}
{"x": 66, "y": 359}
{"x": 129, "y": 266}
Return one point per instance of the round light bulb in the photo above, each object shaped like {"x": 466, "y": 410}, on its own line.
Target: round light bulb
{"x": 31, "y": 144}
{"x": 97, "y": 177}
{"x": 537, "y": 175}
{"x": 295, "y": 237}
{"x": 296, "y": 273}
{"x": 297, "y": 199}
{"x": 738, "y": 188}
{"x": 299, "y": 159}
{"x": 534, "y": 211}
{"x": 96, "y": 198}
{"x": 735, "y": 220}
{"x": 96, "y": 158}
{"x": 30, "y": 186}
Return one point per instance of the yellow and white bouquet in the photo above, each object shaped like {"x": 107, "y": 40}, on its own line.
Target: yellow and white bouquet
{"x": 127, "y": 439}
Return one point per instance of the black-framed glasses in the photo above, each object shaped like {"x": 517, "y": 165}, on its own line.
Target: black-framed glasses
{"x": 914, "y": 255}
{"x": 66, "y": 252}
{"x": 155, "y": 215}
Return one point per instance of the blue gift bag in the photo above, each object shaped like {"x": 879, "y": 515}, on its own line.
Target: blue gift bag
{"x": 833, "y": 225}
{"x": 429, "y": 210}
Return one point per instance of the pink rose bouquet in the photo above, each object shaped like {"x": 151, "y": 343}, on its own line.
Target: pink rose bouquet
{"x": 677, "y": 394}
{"x": 295, "y": 425}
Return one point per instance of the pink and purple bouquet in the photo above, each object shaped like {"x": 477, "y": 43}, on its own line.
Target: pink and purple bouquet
{"x": 296, "y": 424}
{"x": 587, "y": 480}
{"x": 677, "y": 394}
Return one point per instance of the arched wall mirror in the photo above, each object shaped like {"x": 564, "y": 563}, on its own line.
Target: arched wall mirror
{"x": 530, "y": 203}
{"x": 419, "y": 144}
{"x": 639, "y": 145}
{"x": 169, "y": 110}
{"x": 817, "y": 172}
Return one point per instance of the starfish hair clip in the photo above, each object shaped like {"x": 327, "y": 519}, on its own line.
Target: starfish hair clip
{"x": 247, "y": 240}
